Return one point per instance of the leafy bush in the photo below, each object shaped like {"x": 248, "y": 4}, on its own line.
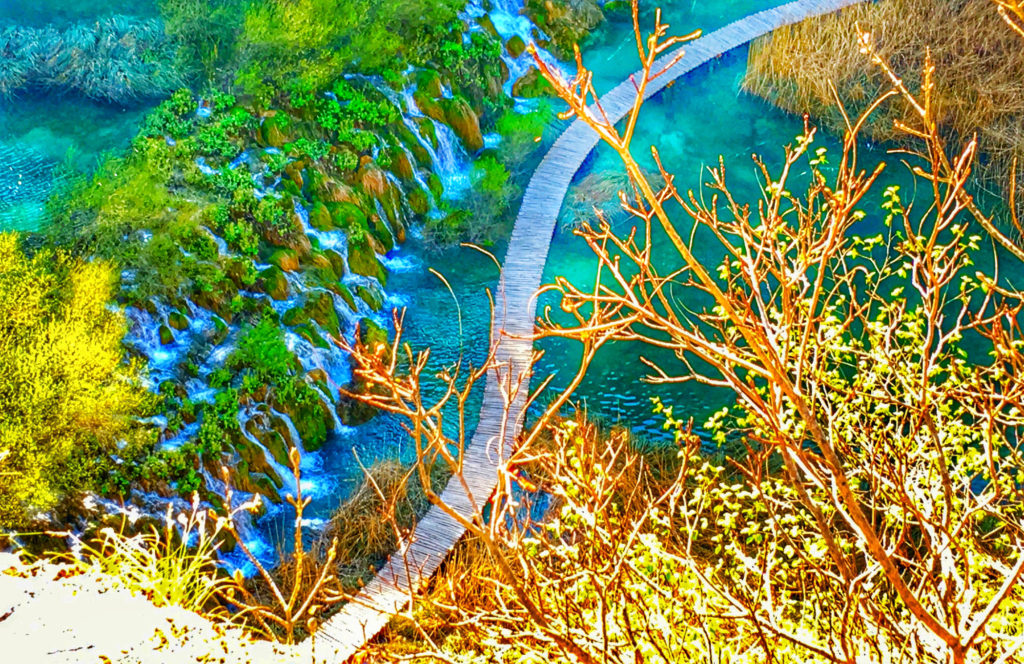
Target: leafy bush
{"x": 68, "y": 396}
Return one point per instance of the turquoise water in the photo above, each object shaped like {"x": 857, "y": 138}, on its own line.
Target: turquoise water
{"x": 703, "y": 116}
{"x": 40, "y": 131}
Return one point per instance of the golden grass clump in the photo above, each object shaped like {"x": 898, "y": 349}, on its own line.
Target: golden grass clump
{"x": 363, "y": 524}
{"x": 979, "y": 62}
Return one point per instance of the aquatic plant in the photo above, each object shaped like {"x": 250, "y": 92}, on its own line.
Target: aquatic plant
{"x": 117, "y": 59}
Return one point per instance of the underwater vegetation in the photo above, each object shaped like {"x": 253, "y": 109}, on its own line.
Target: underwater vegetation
{"x": 116, "y": 59}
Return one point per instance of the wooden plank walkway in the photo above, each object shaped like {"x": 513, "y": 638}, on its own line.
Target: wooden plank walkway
{"x": 360, "y": 620}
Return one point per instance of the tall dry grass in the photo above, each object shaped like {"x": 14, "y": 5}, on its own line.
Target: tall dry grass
{"x": 979, "y": 63}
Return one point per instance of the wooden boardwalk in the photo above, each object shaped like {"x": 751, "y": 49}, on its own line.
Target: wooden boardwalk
{"x": 360, "y": 620}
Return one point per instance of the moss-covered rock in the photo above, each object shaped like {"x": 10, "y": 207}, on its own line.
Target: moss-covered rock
{"x": 532, "y": 84}
{"x": 323, "y": 266}
{"x": 381, "y": 231}
{"x": 348, "y": 216}
{"x": 312, "y": 421}
{"x": 259, "y": 427}
{"x": 274, "y": 283}
{"x": 487, "y": 24}
{"x": 320, "y": 307}
{"x": 436, "y": 186}
{"x": 320, "y": 217}
{"x": 428, "y": 82}
{"x": 459, "y": 115}
{"x": 274, "y": 131}
{"x": 401, "y": 165}
{"x": 217, "y": 298}
{"x": 310, "y": 334}
{"x": 329, "y": 190}
{"x": 427, "y": 130}
{"x": 372, "y": 298}
{"x": 253, "y": 455}
{"x": 166, "y": 336}
{"x": 293, "y": 173}
{"x": 418, "y": 200}
{"x": 279, "y": 426}
{"x": 295, "y": 316}
{"x": 337, "y": 262}
{"x": 373, "y": 180}
{"x": 284, "y": 259}
{"x": 220, "y": 331}
{"x": 567, "y": 22}
{"x": 345, "y": 294}
{"x": 361, "y": 257}
{"x": 515, "y": 46}
{"x": 249, "y": 480}
{"x": 240, "y": 271}
{"x": 177, "y": 320}
{"x": 414, "y": 146}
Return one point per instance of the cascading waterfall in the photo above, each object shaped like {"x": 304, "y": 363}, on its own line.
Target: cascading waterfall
{"x": 208, "y": 341}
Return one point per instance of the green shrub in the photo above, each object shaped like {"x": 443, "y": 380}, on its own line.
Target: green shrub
{"x": 68, "y": 396}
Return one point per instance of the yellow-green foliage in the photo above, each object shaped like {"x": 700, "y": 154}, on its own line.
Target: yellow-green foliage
{"x": 67, "y": 396}
{"x": 167, "y": 567}
{"x": 979, "y": 69}
{"x": 318, "y": 39}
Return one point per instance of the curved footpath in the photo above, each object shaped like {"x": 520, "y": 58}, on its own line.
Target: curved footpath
{"x": 361, "y": 619}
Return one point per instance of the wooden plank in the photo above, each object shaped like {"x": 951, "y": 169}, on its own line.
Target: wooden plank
{"x": 435, "y": 535}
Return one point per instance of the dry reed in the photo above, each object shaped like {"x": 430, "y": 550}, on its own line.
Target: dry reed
{"x": 979, "y": 63}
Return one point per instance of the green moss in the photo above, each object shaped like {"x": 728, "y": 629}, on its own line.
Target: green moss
{"x": 320, "y": 307}
{"x": 275, "y": 284}
{"x": 361, "y": 257}
{"x": 284, "y": 259}
{"x": 310, "y": 334}
{"x": 371, "y": 298}
{"x": 337, "y": 262}
{"x": 275, "y": 130}
{"x": 295, "y": 316}
{"x": 166, "y": 336}
{"x": 436, "y": 186}
{"x": 177, "y": 320}
{"x": 347, "y": 216}
{"x": 418, "y": 200}
{"x": 532, "y": 84}
{"x": 346, "y": 295}
{"x": 320, "y": 217}
{"x": 515, "y": 46}
{"x": 381, "y": 231}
